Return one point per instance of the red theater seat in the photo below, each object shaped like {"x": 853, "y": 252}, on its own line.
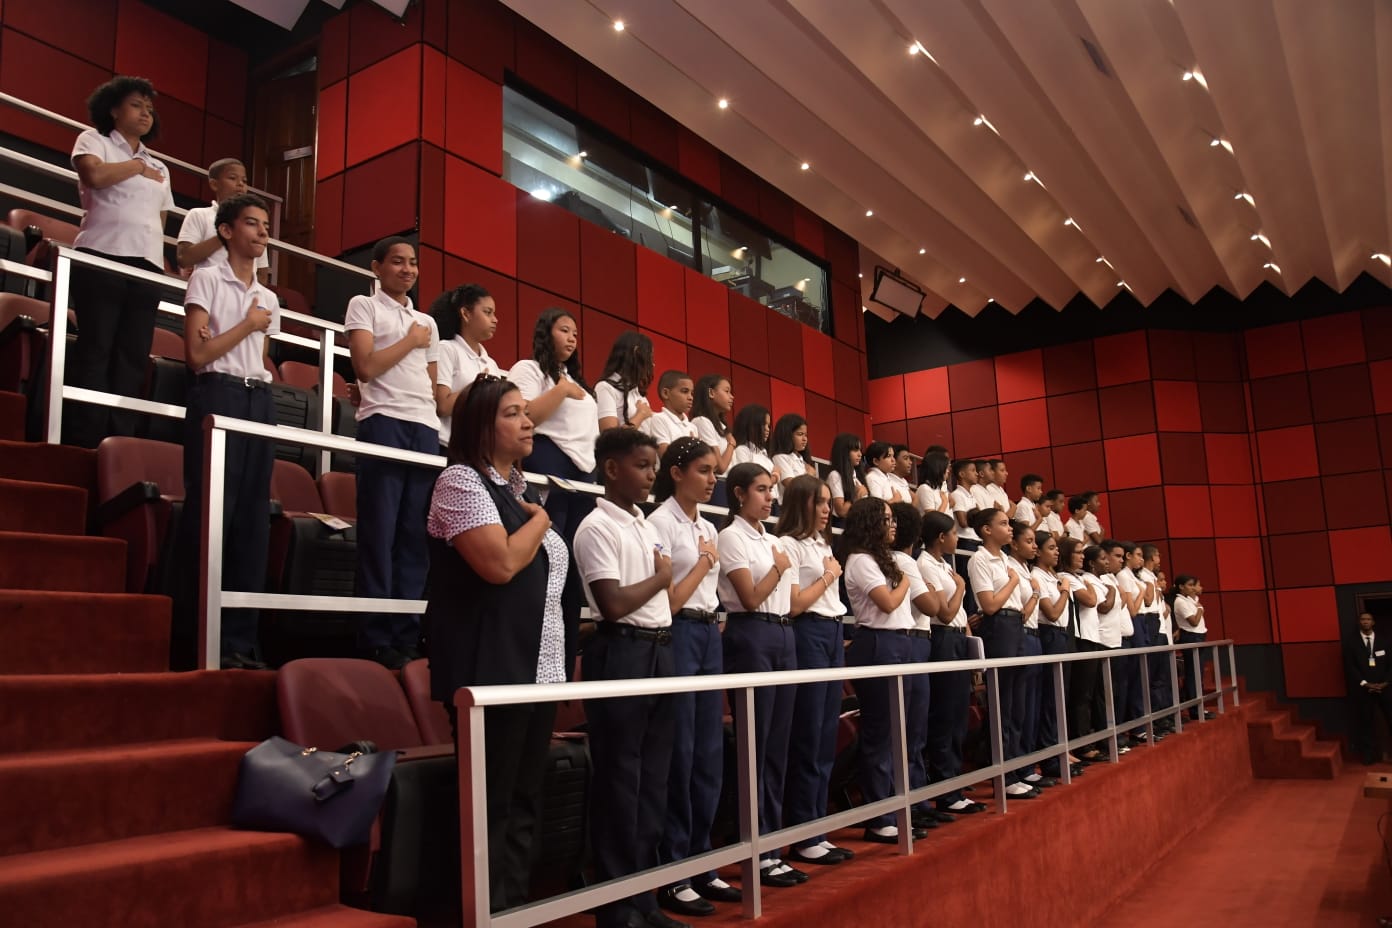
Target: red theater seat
{"x": 339, "y": 492}
{"x": 330, "y": 702}
{"x": 307, "y": 556}
{"x": 55, "y": 230}
{"x": 140, "y": 489}
{"x": 23, "y": 343}
{"x": 306, "y": 377}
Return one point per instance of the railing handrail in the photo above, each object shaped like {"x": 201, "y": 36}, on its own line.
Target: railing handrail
{"x": 35, "y": 110}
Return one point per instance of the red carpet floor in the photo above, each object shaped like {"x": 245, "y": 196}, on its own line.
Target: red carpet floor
{"x": 1279, "y": 854}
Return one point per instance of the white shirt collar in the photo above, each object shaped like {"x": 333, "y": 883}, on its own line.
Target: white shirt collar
{"x": 120, "y": 140}
{"x": 622, "y": 516}
{"x": 753, "y": 531}
{"x": 381, "y": 297}
{"x": 480, "y": 355}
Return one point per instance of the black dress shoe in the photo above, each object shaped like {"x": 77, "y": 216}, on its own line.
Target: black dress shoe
{"x": 667, "y": 898}
{"x": 239, "y": 661}
{"x": 941, "y": 816}
{"x": 875, "y": 838}
{"x": 660, "y": 919}
{"x": 971, "y": 808}
{"x": 923, "y": 820}
{"x": 718, "y": 893}
{"x": 830, "y": 857}
{"x": 781, "y": 880}
{"x": 1042, "y": 782}
{"x": 1076, "y": 770}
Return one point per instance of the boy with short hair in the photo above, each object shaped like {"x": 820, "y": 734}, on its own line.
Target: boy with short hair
{"x": 677, "y": 392}
{"x": 1030, "y": 510}
{"x": 626, "y": 575}
{"x": 1091, "y": 525}
{"x": 1077, "y": 513}
{"x": 985, "y": 476}
{"x": 1055, "y": 502}
{"x": 199, "y": 245}
{"x": 228, "y": 317}
{"x": 996, "y": 488}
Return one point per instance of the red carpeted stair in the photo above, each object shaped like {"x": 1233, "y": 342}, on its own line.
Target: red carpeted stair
{"x": 1283, "y": 748}
{"x": 117, "y": 776}
{"x": 11, "y": 417}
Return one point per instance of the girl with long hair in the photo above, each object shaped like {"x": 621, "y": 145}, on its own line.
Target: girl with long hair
{"x": 845, "y": 481}
{"x": 620, "y": 395}
{"x": 712, "y": 404}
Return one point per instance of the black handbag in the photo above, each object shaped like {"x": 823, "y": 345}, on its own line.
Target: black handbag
{"x": 326, "y": 795}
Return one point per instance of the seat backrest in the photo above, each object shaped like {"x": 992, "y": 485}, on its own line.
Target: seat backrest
{"x": 293, "y": 300}
{"x": 166, "y": 344}
{"x": 56, "y": 229}
{"x": 12, "y": 306}
{"x": 306, "y": 377}
{"x": 123, "y": 461}
{"x": 294, "y": 487}
{"x": 431, "y": 718}
{"x": 328, "y": 702}
{"x": 339, "y": 491}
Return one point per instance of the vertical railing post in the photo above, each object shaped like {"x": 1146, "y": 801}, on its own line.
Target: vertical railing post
{"x": 899, "y": 753}
{"x": 326, "y": 396}
{"x": 1061, "y": 724}
{"x": 746, "y": 754}
{"x": 1174, "y": 691}
{"x": 1145, "y": 698}
{"x": 1109, "y": 708}
{"x": 1232, "y": 666}
{"x": 1218, "y": 680}
{"x": 57, "y": 346}
{"x": 997, "y": 733}
{"x": 1196, "y": 661}
{"x": 473, "y": 814}
{"x": 210, "y": 545}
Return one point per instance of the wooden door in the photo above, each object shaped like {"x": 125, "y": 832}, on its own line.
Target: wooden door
{"x": 283, "y": 136}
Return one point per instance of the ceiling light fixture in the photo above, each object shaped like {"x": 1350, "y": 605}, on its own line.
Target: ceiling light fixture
{"x": 1385, "y": 259}
{"x": 915, "y": 48}
{"x": 1196, "y": 76}
{"x": 961, "y": 280}
{"x": 1273, "y": 267}
{"x": 805, "y": 166}
{"x": 1221, "y": 142}
{"x": 983, "y": 121}
{"x": 923, "y": 251}
{"x": 1259, "y": 237}
{"x": 869, "y": 213}
{"x": 1244, "y": 195}
{"x": 618, "y": 25}
{"x": 723, "y": 103}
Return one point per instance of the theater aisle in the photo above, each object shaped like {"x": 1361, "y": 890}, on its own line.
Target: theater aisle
{"x": 1281, "y": 854}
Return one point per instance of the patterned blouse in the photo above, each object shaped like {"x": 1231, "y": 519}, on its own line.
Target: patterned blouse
{"x": 461, "y": 502}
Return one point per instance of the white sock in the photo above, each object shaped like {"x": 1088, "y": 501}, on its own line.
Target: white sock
{"x": 1033, "y": 778}
{"x": 718, "y": 883}
{"x": 960, "y": 804}
{"x": 829, "y": 846}
{"x": 887, "y": 831}
{"x": 687, "y": 894}
{"x": 815, "y": 852}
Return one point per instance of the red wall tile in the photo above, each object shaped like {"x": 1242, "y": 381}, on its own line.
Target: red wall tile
{"x": 808, "y": 229}
{"x": 53, "y": 21}
{"x": 748, "y": 332}
{"x": 1196, "y": 557}
{"x": 1223, "y": 407}
{"x": 1279, "y": 402}
{"x": 1171, "y": 354}
{"x": 972, "y": 384}
{"x": 480, "y": 217}
{"x": 976, "y": 432}
{"x": 1245, "y": 616}
{"x": 653, "y": 131}
{"x": 328, "y": 216}
{"x": 785, "y": 347}
{"x": 1127, "y": 410}
{"x": 1177, "y": 406}
{"x": 1348, "y": 446}
{"x": 503, "y": 346}
{"x": 669, "y": 354}
{"x": 1024, "y": 425}
{"x": 227, "y": 82}
{"x": 1300, "y": 560}
{"x": 171, "y": 54}
{"x": 1020, "y": 376}
{"x": 384, "y": 105}
{"x": 374, "y": 34}
{"x": 332, "y": 138}
{"x": 1077, "y": 467}
{"x": 661, "y": 294}
{"x": 1132, "y": 462}
{"x": 546, "y": 64}
{"x": 1361, "y": 555}
{"x": 1229, "y": 458}
{"x": 1239, "y": 564}
{"x": 333, "y": 50}
{"x": 482, "y": 35}
{"x": 847, "y": 364}
{"x": 1274, "y": 349}
{"x": 886, "y": 398}
{"x": 739, "y": 186}
{"x": 926, "y": 393}
{"x": 1331, "y": 341}
{"x": 787, "y": 398}
{"x": 818, "y": 374}
{"x": 1028, "y": 461}
{"x": 708, "y": 321}
{"x": 598, "y": 330}
{"x": 1069, "y": 368}
{"x": 847, "y": 320}
{"x": 821, "y": 424}
{"x": 1307, "y": 614}
{"x": 1074, "y": 417}
{"x": 698, "y": 160}
{"x": 1314, "y": 670}
{"x": 608, "y": 274}
{"x": 1341, "y": 393}
{"x": 473, "y": 117}
{"x": 1182, "y": 458}
{"x": 894, "y": 433}
{"x": 1218, "y": 356}
{"x": 1234, "y": 510}
{"x": 1287, "y": 454}
{"x": 431, "y": 280}
{"x": 1121, "y": 358}
{"x": 1377, "y": 333}
{"x": 434, "y": 66}
{"x": 849, "y": 419}
{"x": 1137, "y": 515}
{"x": 602, "y": 100}
{"x": 50, "y": 78}
{"x": 1189, "y": 512}
{"x": 431, "y": 219}
{"x": 548, "y": 246}
{"x": 1355, "y": 500}
{"x": 932, "y": 430}
{"x": 1293, "y": 506}
{"x": 379, "y": 197}
{"x": 1380, "y": 375}
{"x": 751, "y": 386}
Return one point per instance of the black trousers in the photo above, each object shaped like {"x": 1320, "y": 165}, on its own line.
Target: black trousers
{"x": 1085, "y": 691}
{"x": 949, "y": 697}
{"x": 1367, "y": 706}
{"x": 246, "y": 511}
{"x": 517, "y": 740}
{"x": 1054, "y": 641}
{"x": 115, "y": 320}
{"x": 631, "y": 759}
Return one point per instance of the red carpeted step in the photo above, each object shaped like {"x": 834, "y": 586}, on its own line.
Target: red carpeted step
{"x": 67, "y": 798}
{"x": 59, "y": 632}
{"x": 51, "y": 508}
{"x": 209, "y": 877}
{"x": 75, "y": 467}
{"x": 11, "y": 416}
{"x": 336, "y": 916}
{"x": 58, "y": 711}
{"x": 32, "y": 561}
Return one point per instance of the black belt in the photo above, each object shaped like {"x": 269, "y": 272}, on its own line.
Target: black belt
{"x": 818, "y": 615}
{"x": 1062, "y": 630}
{"x": 768, "y": 617}
{"x": 882, "y": 631}
{"x": 920, "y": 633}
{"x": 948, "y": 630}
{"x": 251, "y": 383}
{"x": 1010, "y": 613}
{"x": 703, "y": 616}
{"x": 659, "y": 635}
{"x": 1032, "y": 632}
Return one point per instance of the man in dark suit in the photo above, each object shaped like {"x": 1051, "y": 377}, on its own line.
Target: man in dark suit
{"x": 1369, "y": 669}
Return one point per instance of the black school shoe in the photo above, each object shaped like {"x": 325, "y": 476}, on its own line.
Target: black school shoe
{"x": 725, "y": 893}
{"x": 667, "y": 898}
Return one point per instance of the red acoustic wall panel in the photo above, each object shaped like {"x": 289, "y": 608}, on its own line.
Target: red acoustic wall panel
{"x": 1332, "y": 341}
{"x": 698, "y": 160}
{"x": 1020, "y": 376}
{"x": 1281, "y": 402}
{"x": 608, "y": 274}
{"x": 548, "y": 246}
{"x": 1183, "y": 458}
{"x": 53, "y": 79}
{"x": 1122, "y": 358}
{"x": 1286, "y": 454}
{"x": 480, "y": 217}
{"x": 1188, "y": 512}
{"x": 1380, "y": 377}
{"x": 1293, "y": 506}
{"x": 1314, "y": 670}
{"x": 597, "y": 333}
{"x": 332, "y": 134}
{"x": 1240, "y": 564}
{"x": 1132, "y": 462}
{"x": 434, "y": 67}
{"x": 821, "y": 423}
{"x": 708, "y": 316}
{"x": 1274, "y": 349}
{"x": 544, "y": 63}
{"x": 749, "y": 343}
{"x": 926, "y": 393}
{"x": 1171, "y": 354}
{"x": 1234, "y": 509}
{"x": 379, "y": 197}
{"x": 1177, "y": 406}
{"x": 1069, "y": 368}
{"x": 1307, "y": 614}
{"x": 661, "y": 294}
{"x": 375, "y": 34}
{"x": 1137, "y": 515}
{"x": 887, "y": 399}
{"x": 1355, "y": 500}
{"x": 1229, "y": 458}
{"x": 1074, "y": 417}
{"x": 384, "y": 105}
{"x": 753, "y": 386}
{"x": 669, "y": 354}
{"x": 155, "y": 45}
{"x": 1023, "y": 425}
{"x": 787, "y": 398}
{"x": 1341, "y": 393}
{"x": 935, "y": 430}
{"x": 847, "y": 365}
{"x": 1127, "y": 409}
{"x": 785, "y": 347}
{"x": 1348, "y": 446}
{"x": 52, "y": 22}
{"x": 976, "y": 432}
{"x": 473, "y": 117}
{"x": 1300, "y": 560}
{"x": 482, "y": 34}
{"x": 1222, "y": 407}
{"x": 972, "y": 384}
{"x": 1246, "y": 615}
{"x": 1080, "y": 467}
{"x": 1361, "y": 555}
{"x": 818, "y": 372}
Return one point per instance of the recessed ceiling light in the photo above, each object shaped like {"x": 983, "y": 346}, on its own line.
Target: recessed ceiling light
{"x": 1259, "y": 237}
{"x": 923, "y": 251}
{"x": 869, "y": 213}
{"x": 1029, "y": 175}
{"x": 582, "y": 154}
{"x": 1244, "y": 195}
{"x": 1385, "y": 259}
{"x": 915, "y": 48}
{"x": 1069, "y": 222}
{"x": 805, "y": 165}
{"x": 862, "y": 276}
{"x": 618, "y": 25}
{"x": 1221, "y": 142}
{"x": 723, "y": 103}
{"x": 961, "y": 280}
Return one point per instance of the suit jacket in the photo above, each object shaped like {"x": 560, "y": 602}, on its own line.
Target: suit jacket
{"x": 1356, "y": 660}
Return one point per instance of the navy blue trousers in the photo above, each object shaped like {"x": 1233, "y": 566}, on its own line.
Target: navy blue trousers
{"x": 630, "y": 761}
{"x": 1003, "y": 636}
{"x": 1027, "y": 700}
{"x": 1159, "y": 667}
{"x": 1193, "y": 667}
{"x": 1053, "y": 641}
{"x": 246, "y": 505}
{"x": 393, "y": 504}
{"x": 872, "y": 646}
{"x": 754, "y": 646}
{"x": 816, "y": 714}
{"x": 947, "y": 712}
{"x": 698, "y": 748}
{"x": 918, "y": 700}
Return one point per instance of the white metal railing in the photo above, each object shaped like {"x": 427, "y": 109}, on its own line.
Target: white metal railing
{"x": 471, "y": 702}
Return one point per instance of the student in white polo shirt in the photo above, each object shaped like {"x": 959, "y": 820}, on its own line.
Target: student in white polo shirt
{"x": 753, "y": 424}
{"x": 950, "y": 692}
{"x": 621, "y": 394}
{"x": 1189, "y": 619}
{"x": 1054, "y": 503}
{"x": 1076, "y": 528}
{"x": 1022, "y": 553}
{"x": 1092, "y": 598}
{"x": 879, "y": 464}
{"x": 985, "y": 478}
{"x": 755, "y": 589}
{"x": 567, "y": 423}
{"x": 1005, "y": 597}
{"x": 1055, "y": 637}
{"x": 1140, "y": 597}
{"x": 125, "y": 197}
{"x": 1095, "y": 532}
{"x": 394, "y": 348}
{"x": 788, "y": 450}
{"x": 711, "y": 405}
{"x": 996, "y": 488}
{"x": 932, "y": 474}
{"x": 902, "y": 474}
{"x": 676, "y": 390}
{"x": 685, "y": 481}
{"x": 1029, "y": 510}
{"x": 1115, "y": 628}
{"x": 881, "y": 598}
{"x": 844, "y": 480}
{"x": 1152, "y": 607}
{"x": 228, "y": 317}
{"x": 627, "y": 572}
{"x": 198, "y": 241}
{"x": 465, "y": 317}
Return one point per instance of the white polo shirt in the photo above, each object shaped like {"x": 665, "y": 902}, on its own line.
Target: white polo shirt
{"x": 927, "y": 498}
{"x": 403, "y": 391}
{"x": 573, "y": 426}
{"x": 1074, "y": 529}
{"x": 902, "y": 488}
{"x": 456, "y": 368}
{"x": 999, "y": 497}
{"x": 1091, "y": 524}
{"x": 1089, "y": 620}
{"x": 609, "y": 402}
{"x": 989, "y": 573}
{"x": 982, "y": 496}
{"x": 1166, "y": 620}
{"x": 1145, "y": 576}
{"x": 1025, "y": 572}
{"x": 1128, "y": 584}
{"x": 681, "y": 537}
{"x": 200, "y": 224}
{"x": 963, "y": 500}
{"x": 1187, "y": 618}
{"x": 748, "y": 454}
{"x": 1053, "y": 525}
{"x": 612, "y": 544}
{"x": 1025, "y": 512}
{"x": 708, "y": 433}
{"x": 879, "y": 485}
{"x": 748, "y": 547}
{"x": 807, "y": 555}
{"x": 217, "y": 290}
{"x": 789, "y": 466}
{"x": 1050, "y": 589}
{"x": 939, "y": 576}
{"x": 1111, "y": 624}
{"x": 863, "y": 576}
{"x": 833, "y": 482}
{"x": 122, "y": 219}
{"x": 666, "y": 427}
{"x": 917, "y": 587}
